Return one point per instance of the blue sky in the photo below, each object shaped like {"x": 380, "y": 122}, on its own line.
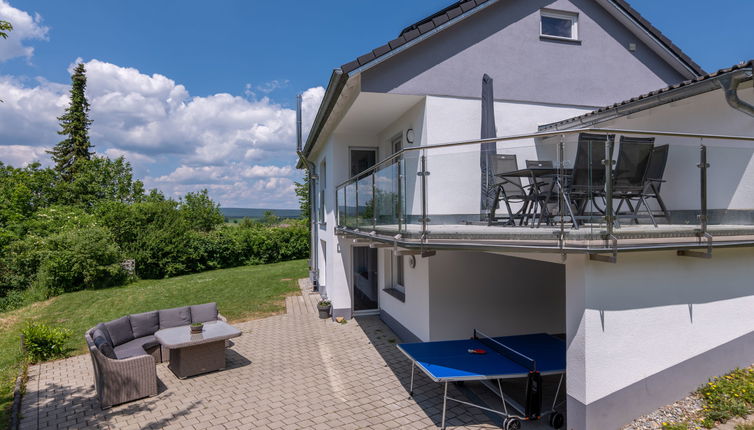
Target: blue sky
{"x": 221, "y": 77}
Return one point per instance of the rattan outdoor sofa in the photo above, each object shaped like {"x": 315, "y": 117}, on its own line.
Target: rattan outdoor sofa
{"x": 124, "y": 351}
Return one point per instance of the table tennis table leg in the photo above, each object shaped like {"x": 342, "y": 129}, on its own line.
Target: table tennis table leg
{"x": 444, "y": 404}
{"x": 411, "y": 390}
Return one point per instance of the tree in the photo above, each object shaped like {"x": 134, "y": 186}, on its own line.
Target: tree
{"x": 4, "y": 27}
{"x": 101, "y": 179}
{"x": 200, "y": 211}
{"x": 74, "y": 124}
{"x": 304, "y": 201}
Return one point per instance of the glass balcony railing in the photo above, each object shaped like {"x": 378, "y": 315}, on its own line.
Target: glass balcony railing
{"x": 592, "y": 190}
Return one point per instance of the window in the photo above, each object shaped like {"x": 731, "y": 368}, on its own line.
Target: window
{"x": 559, "y": 25}
{"x": 395, "y": 283}
{"x": 322, "y": 185}
{"x": 398, "y": 272}
{"x": 397, "y": 143}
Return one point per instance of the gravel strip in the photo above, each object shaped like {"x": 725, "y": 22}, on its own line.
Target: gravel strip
{"x": 684, "y": 410}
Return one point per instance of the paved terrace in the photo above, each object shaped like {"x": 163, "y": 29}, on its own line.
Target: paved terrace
{"x": 290, "y": 371}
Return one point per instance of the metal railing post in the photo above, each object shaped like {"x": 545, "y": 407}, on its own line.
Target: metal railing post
{"x": 703, "y": 166}
{"x": 561, "y": 190}
{"x": 424, "y": 174}
{"x": 399, "y": 182}
{"x": 374, "y": 202}
{"x": 608, "y": 163}
{"x": 357, "y": 217}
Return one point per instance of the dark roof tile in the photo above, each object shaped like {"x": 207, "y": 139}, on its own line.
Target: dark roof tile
{"x": 397, "y": 42}
{"x": 426, "y": 27}
{"x": 365, "y": 58}
{"x": 440, "y": 20}
{"x": 454, "y": 12}
{"x": 411, "y": 35}
{"x": 348, "y": 67}
{"x": 382, "y": 50}
{"x": 467, "y": 6}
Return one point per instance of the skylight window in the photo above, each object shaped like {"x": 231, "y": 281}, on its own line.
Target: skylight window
{"x": 559, "y": 25}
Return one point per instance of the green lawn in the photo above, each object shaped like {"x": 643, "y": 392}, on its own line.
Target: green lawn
{"x": 241, "y": 293}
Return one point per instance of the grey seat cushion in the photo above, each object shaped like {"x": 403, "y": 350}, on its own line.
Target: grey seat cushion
{"x": 204, "y": 313}
{"x": 144, "y": 324}
{"x": 136, "y": 347}
{"x": 120, "y": 331}
{"x": 102, "y": 344}
{"x": 101, "y": 327}
{"x": 175, "y": 317}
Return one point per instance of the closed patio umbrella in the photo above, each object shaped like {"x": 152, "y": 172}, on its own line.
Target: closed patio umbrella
{"x": 488, "y": 150}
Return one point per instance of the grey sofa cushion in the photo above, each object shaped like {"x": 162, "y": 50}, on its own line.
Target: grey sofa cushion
{"x": 144, "y": 324}
{"x": 175, "y": 317}
{"x": 105, "y": 347}
{"x": 120, "y": 331}
{"x": 136, "y": 347}
{"x": 204, "y": 313}
{"x": 100, "y": 331}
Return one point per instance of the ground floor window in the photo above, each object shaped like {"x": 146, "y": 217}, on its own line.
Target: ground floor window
{"x": 395, "y": 283}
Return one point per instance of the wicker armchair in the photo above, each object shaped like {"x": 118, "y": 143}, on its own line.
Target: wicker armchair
{"x": 120, "y": 381}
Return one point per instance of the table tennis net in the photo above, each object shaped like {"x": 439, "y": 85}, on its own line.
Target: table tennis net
{"x": 506, "y": 351}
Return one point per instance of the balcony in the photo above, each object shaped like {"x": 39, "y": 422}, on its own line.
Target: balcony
{"x": 554, "y": 192}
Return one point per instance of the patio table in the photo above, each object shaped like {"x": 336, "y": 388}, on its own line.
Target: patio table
{"x": 193, "y": 354}
{"x": 534, "y": 173}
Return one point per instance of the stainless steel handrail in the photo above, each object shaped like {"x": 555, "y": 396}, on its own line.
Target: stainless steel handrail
{"x": 544, "y": 135}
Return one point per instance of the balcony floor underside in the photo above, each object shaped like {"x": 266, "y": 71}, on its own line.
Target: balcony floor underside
{"x": 588, "y": 235}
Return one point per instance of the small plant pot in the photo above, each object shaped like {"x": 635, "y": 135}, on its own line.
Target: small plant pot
{"x": 324, "y": 311}
{"x": 196, "y": 329}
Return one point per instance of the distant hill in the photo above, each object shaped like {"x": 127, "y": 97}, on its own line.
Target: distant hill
{"x": 252, "y": 213}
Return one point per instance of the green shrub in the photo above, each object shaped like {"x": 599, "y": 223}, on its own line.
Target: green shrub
{"x": 20, "y": 262}
{"x": 81, "y": 259}
{"x": 43, "y": 342}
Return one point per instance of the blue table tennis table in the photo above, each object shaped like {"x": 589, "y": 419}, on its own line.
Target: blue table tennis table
{"x": 525, "y": 356}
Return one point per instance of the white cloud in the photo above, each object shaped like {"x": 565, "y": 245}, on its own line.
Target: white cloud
{"x": 25, "y": 27}
{"x": 22, "y": 155}
{"x": 310, "y": 101}
{"x": 267, "y": 171}
{"x": 239, "y": 149}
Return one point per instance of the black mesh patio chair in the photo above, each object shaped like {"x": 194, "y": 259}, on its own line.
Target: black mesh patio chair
{"x": 654, "y": 181}
{"x": 542, "y": 192}
{"x": 630, "y": 177}
{"x": 587, "y": 182}
{"x": 509, "y": 191}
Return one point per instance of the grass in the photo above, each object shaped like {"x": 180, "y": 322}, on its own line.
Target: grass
{"x": 749, "y": 426}
{"x": 241, "y": 293}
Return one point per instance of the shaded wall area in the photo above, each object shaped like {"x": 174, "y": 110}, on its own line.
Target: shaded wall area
{"x": 497, "y": 294}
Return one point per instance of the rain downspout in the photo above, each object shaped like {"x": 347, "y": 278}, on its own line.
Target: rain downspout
{"x": 730, "y": 84}
{"x": 314, "y": 261}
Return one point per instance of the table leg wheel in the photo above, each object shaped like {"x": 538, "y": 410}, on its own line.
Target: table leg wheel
{"x": 557, "y": 420}
{"x": 511, "y": 424}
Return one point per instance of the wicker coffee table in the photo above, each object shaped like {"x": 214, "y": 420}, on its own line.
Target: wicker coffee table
{"x": 193, "y": 354}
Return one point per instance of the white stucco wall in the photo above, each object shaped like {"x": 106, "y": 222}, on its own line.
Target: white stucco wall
{"x": 413, "y": 313}
{"x": 731, "y": 173}
{"x": 648, "y": 314}
{"x": 497, "y": 294}
{"x": 455, "y": 171}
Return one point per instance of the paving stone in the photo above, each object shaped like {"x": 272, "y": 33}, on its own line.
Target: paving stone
{"x": 286, "y": 371}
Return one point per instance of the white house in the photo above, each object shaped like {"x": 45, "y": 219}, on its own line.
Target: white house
{"x": 399, "y": 230}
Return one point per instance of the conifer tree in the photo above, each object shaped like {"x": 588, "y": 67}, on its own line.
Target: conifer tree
{"x": 74, "y": 124}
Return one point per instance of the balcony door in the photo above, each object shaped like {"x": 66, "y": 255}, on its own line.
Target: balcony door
{"x": 362, "y": 159}
{"x": 365, "y": 289}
